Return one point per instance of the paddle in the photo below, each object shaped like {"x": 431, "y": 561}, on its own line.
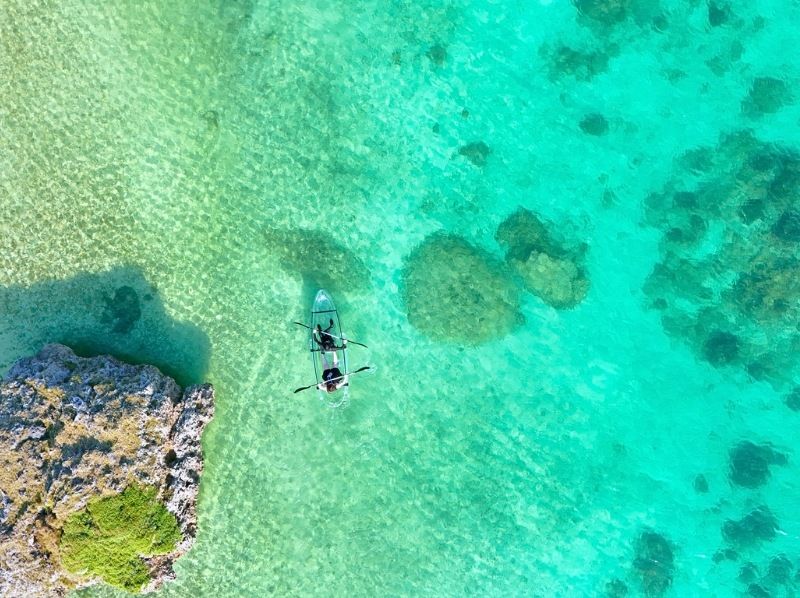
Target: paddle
{"x": 334, "y": 336}
{"x": 365, "y": 368}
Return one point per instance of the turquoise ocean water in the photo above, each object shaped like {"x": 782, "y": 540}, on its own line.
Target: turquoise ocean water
{"x": 177, "y": 179}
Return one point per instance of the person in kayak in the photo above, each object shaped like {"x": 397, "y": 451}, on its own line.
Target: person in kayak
{"x": 332, "y": 380}
{"x": 324, "y": 339}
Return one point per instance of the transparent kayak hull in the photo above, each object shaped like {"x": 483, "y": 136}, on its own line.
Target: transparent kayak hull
{"x": 324, "y": 314}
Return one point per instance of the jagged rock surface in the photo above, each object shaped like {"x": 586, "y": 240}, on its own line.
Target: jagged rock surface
{"x": 73, "y": 429}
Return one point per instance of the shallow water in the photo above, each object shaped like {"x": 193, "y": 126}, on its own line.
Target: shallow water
{"x": 224, "y": 160}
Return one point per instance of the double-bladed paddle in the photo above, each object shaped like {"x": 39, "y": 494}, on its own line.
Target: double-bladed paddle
{"x": 365, "y": 368}
{"x": 334, "y": 336}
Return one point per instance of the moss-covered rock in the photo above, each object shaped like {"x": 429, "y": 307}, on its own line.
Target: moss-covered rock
{"x": 549, "y": 268}
{"x": 109, "y": 537}
{"x": 454, "y": 291}
{"x": 103, "y": 455}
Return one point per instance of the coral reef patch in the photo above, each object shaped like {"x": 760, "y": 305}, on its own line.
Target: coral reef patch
{"x": 750, "y": 463}
{"x": 758, "y": 526}
{"x": 82, "y": 439}
{"x": 476, "y": 152}
{"x": 654, "y": 563}
{"x": 549, "y": 268}
{"x": 728, "y": 278}
{"x": 766, "y": 96}
{"x": 319, "y": 258}
{"x": 454, "y": 291}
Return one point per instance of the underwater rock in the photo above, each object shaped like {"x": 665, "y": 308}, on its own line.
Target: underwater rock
{"x": 557, "y": 282}
{"x": 594, "y": 124}
{"x": 605, "y": 12}
{"x": 758, "y": 591}
{"x": 787, "y": 228}
{"x": 721, "y": 348}
{"x": 653, "y": 563}
{"x": 700, "y": 484}
{"x": 74, "y": 431}
{"x": 792, "y": 399}
{"x": 437, "y": 54}
{"x": 319, "y": 258}
{"x": 725, "y": 554}
{"x": 750, "y": 463}
{"x": 748, "y": 573}
{"x": 616, "y": 588}
{"x": 766, "y": 95}
{"x": 582, "y": 65}
{"x": 743, "y": 279}
{"x": 780, "y": 569}
{"x": 476, "y": 152}
{"x": 551, "y": 270}
{"x": 758, "y": 526}
{"x": 123, "y": 310}
{"x": 718, "y": 14}
{"x": 456, "y": 292}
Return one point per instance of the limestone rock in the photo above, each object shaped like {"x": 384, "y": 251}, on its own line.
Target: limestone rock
{"x": 74, "y": 429}
{"x": 558, "y": 282}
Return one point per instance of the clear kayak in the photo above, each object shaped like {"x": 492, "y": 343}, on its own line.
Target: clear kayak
{"x": 328, "y": 350}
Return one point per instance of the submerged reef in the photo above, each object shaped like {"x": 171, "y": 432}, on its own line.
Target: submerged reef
{"x": 750, "y": 463}
{"x": 476, "y": 152}
{"x": 456, "y": 292}
{"x": 549, "y": 268}
{"x": 319, "y": 258}
{"x": 653, "y": 563}
{"x": 99, "y": 469}
{"x": 604, "y": 12}
{"x": 728, "y": 278}
{"x": 766, "y": 96}
{"x": 758, "y": 526}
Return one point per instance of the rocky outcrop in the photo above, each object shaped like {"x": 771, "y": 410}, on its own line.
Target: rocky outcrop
{"x": 74, "y": 430}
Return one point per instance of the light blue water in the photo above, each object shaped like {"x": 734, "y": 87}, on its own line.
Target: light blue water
{"x": 226, "y": 160}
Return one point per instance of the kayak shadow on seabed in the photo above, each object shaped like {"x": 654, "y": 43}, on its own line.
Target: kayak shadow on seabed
{"x": 116, "y": 312}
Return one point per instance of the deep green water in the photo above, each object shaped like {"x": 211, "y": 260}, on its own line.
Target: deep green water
{"x": 224, "y": 159}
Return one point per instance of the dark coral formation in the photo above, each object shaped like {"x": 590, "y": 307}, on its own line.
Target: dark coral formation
{"x": 476, "y": 152}
{"x": 437, "y": 54}
{"x": 718, "y": 13}
{"x": 616, "y": 588}
{"x": 700, "y": 484}
{"x": 594, "y": 124}
{"x": 654, "y": 563}
{"x": 750, "y": 463}
{"x": 766, "y": 95}
{"x": 792, "y": 399}
{"x": 758, "y": 526}
{"x": 549, "y": 268}
{"x": 604, "y": 12}
{"x": 728, "y": 279}
{"x": 583, "y": 65}
{"x": 456, "y": 292}
{"x": 319, "y": 258}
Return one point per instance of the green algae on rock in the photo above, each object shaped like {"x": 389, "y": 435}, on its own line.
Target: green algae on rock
{"x": 110, "y": 535}
{"x": 75, "y": 433}
{"x": 454, "y": 291}
{"x": 549, "y": 269}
